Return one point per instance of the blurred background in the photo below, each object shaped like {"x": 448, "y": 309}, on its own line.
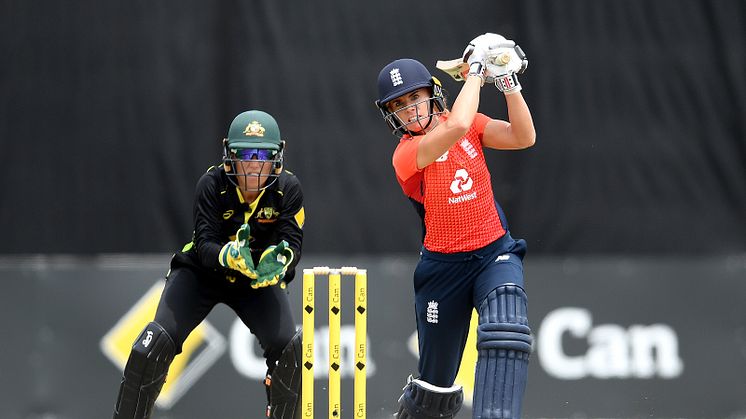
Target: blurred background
{"x": 632, "y": 201}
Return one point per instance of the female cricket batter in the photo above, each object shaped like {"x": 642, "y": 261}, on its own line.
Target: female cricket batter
{"x": 248, "y": 220}
{"x": 469, "y": 259}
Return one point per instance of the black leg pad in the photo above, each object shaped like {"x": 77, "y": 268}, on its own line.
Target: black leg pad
{"x": 284, "y": 383}
{"x": 145, "y": 373}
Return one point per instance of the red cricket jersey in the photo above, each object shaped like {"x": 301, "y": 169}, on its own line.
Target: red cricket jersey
{"x": 456, "y": 191}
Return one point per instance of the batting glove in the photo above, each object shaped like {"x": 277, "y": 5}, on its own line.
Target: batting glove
{"x": 474, "y": 55}
{"x": 508, "y": 84}
{"x": 505, "y": 58}
{"x": 236, "y": 254}
{"x": 502, "y": 65}
{"x": 272, "y": 265}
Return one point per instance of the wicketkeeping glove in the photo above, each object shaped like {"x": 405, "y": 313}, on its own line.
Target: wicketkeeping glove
{"x": 272, "y": 265}
{"x": 236, "y": 254}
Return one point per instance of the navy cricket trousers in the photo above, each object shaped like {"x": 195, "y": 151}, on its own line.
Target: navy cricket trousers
{"x": 447, "y": 287}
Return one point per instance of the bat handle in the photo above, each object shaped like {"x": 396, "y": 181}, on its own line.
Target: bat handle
{"x": 501, "y": 59}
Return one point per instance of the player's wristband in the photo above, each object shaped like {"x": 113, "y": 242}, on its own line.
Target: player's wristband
{"x": 477, "y": 69}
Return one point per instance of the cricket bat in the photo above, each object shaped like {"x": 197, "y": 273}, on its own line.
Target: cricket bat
{"x": 457, "y": 67}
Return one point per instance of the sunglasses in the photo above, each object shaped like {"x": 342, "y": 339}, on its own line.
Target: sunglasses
{"x": 255, "y": 153}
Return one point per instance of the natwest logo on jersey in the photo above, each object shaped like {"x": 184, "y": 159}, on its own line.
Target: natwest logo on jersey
{"x": 461, "y": 183}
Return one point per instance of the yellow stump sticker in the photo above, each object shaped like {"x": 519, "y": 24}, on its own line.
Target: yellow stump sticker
{"x": 335, "y": 297}
{"x": 308, "y": 335}
{"x": 361, "y": 333}
{"x": 360, "y": 367}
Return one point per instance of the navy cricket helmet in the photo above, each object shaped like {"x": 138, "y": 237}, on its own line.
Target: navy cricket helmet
{"x": 404, "y": 76}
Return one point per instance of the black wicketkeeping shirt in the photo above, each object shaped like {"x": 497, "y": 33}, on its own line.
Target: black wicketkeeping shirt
{"x": 220, "y": 210}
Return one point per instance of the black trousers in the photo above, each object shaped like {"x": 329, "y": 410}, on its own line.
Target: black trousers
{"x": 191, "y": 293}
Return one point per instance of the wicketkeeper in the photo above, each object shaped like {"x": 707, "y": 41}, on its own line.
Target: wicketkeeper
{"x": 468, "y": 259}
{"x": 248, "y": 221}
